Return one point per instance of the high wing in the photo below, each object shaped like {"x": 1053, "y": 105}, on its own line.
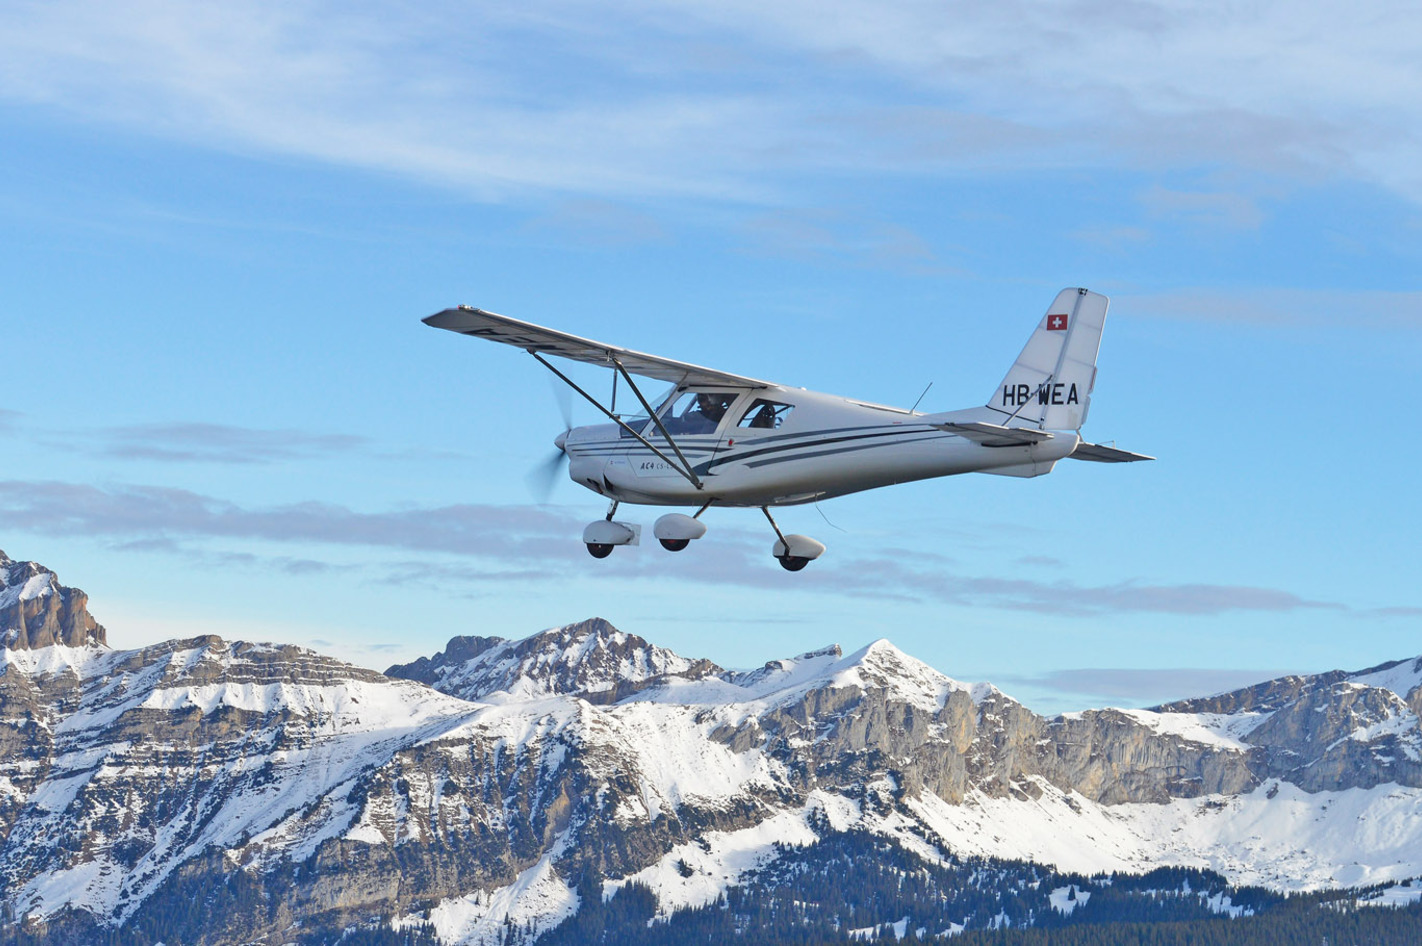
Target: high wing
{"x": 535, "y": 338}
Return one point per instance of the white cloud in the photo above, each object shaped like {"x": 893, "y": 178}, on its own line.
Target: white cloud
{"x": 730, "y": 99}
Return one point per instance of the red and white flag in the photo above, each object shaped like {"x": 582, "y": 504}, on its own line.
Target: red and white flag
{"x": 1057, "y": 323}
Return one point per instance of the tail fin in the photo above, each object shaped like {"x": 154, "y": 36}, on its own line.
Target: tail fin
{"x": 1049, "y": 386}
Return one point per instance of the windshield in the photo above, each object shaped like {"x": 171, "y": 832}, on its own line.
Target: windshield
{"x": 639, "y": 422}
{"x": 697, "y": 412}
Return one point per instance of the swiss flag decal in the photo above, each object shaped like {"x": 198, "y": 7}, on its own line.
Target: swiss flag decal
{"x": 1057, "y": 323}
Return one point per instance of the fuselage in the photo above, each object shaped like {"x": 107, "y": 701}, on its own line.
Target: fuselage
{"x": 777, "y": 446}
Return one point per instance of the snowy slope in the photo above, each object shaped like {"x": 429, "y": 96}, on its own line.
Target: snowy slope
{"x": 227, "y": 738}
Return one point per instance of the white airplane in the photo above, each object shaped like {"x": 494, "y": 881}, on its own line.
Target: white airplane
{"x": 720, "y": 439}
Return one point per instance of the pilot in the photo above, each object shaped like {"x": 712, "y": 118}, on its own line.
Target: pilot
{"x": 712, "y": 407}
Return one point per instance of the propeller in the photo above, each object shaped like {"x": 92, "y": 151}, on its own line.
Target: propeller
{"x": 543, "y": 477}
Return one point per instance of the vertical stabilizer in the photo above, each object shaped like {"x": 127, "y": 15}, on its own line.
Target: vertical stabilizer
{"x": 1049, "y": 386}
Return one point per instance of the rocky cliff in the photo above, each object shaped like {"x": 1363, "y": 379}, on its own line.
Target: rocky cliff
{"x": 37, "y": 611}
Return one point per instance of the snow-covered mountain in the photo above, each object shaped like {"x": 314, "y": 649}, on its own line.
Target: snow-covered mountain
{"x": 513, "y": 785}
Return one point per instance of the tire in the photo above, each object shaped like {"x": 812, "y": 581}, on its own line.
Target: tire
{"x": 674, "y": 545}
{"x": 792, "y": 563}
{"x": 599, "y": 549}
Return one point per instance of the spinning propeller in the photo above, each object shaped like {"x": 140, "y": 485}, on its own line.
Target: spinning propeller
{"x": 543, "y": 477}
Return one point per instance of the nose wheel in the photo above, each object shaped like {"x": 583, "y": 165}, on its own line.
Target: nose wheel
{"x": 603, "y": 536}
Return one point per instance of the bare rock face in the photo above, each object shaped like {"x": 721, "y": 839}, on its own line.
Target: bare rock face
{"x": 37, "y": 611}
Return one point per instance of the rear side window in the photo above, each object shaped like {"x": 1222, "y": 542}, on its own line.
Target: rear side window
{"x": 765, "y": 415}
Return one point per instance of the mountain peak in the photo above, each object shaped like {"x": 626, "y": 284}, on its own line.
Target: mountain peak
{"x": 881, "y": 665}
{"x": 591, "y": 659}
{"x": 37, "y": 611}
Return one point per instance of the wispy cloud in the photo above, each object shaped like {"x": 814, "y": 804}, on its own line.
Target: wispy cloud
{"x": 739, "y": 98}
{"x": 220, "y": 443}
{"x": 1286, "y": 308}
{"x": 479, "y": 544}
{"x": 154, "y": 513}
{"x": 198, "y": 442}
{"x": 596, "y": 223}
{"x": 1214, "y": 210}
{"x": 1158, "y": 685}
{"x": 825, "y": 235}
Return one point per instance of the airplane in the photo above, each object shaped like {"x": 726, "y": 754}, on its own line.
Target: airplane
{"x": 721, "y": 439}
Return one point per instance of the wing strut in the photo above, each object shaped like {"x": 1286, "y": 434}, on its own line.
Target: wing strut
{"x": 684, "y": 470}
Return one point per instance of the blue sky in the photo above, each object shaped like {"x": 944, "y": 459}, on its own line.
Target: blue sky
{"x": 219, "y": 229}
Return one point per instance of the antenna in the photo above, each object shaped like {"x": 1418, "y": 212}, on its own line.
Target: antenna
{"x": 920, "y": 398}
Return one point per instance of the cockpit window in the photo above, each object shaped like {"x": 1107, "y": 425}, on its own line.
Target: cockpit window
{"x": 765, "y": 415}
{"x": 638, "y": 423}
{"x": 697, "y": 412}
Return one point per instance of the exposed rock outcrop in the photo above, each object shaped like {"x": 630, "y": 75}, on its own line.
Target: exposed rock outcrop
{"x": 37, "y": 611}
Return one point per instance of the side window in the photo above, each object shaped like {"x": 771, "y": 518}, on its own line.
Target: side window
{"x": 765, "y": 415}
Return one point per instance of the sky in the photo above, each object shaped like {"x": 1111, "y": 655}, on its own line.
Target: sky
{"x": 220, "y": 227}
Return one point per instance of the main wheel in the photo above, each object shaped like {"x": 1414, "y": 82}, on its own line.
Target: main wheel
{"x": 792, "y": 563}
{"x": 674, "y": 545}
{"x": 599, "y": 549}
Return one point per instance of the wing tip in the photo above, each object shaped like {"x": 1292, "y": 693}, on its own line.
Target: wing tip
{"x": 444, "y": 318}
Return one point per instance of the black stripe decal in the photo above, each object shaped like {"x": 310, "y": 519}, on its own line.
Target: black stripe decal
{"x": 825, "y": 453}
{"x": 879, "y": 433}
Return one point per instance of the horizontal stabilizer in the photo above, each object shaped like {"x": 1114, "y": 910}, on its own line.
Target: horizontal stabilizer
{"x": 996, "y": 435}
{"x": 1102, "y": 454}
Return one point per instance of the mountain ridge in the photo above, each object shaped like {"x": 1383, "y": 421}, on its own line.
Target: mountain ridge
{"x": 136, "y": 782}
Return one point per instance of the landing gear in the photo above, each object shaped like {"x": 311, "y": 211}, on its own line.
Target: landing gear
{"x": 603, "y": 536}
{"x": 793, "y": 552}
{"x": 676, "y": 531}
